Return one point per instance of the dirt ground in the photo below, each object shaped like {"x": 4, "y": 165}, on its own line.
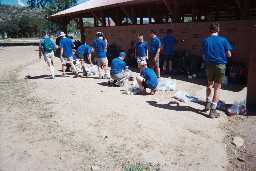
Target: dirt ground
{"x": 81, "y": 124}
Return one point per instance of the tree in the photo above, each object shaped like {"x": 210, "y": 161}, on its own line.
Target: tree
{"x": 52, "y": 5}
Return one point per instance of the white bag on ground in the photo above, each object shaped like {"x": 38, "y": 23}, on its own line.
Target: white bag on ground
{"x": 166, "y": 85}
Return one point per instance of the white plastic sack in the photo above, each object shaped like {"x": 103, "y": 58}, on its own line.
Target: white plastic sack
{"x": 166, "y": 85}
{"x": 92, "y": 70}
{"x": 185, "y": 97}
{"x": 182, "y": 96}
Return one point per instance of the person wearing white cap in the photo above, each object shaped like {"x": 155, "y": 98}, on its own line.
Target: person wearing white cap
{"x": 66, "y": 51}
{"x": 147, "y": 80}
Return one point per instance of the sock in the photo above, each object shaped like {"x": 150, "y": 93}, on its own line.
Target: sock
{"x": 208, "y": 99}
{"x": 52, "y": 71}
{"x": 74, "y": 67}
{"x": 214, "y": 105}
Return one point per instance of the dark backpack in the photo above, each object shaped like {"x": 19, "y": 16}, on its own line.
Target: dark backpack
{"x": 48, "y": 45}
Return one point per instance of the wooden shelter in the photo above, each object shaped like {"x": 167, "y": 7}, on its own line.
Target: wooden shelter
{"x": 189, "y": 19}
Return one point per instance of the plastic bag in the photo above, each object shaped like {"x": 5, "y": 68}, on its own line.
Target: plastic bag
{"x": 166, "y": 85}
{"x": 238, "y": 108}
{"x": 92, "y": 70}
{"x": 132, "y": 88}
{"x": 182, "y": 96}
{"x": 185, "y": 97}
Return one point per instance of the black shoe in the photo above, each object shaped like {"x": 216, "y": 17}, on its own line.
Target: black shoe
{"x": 213, "y": 114}
{"x": 207, "y": 106}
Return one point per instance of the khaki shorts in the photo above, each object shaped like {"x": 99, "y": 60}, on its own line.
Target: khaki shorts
{"x": 119, "y": 76}
{"x": 102, "y": 62}
{"x": 48, "y": 56}
{"x": 216, "y": 72}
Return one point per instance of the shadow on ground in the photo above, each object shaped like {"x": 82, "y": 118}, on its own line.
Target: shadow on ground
{"x": 175, "y": 106}
{"x": 235, "y": 87}
{"x": 40, "y": 77}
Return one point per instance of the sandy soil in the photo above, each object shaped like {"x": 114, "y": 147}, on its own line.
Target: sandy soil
{"x": 76, "y": 124}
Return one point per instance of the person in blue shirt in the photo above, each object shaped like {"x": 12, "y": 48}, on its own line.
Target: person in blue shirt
{"x": 84, "y": 53}
{"x": 167, "y": 53}
{"x": 47, "y": 47}
{"x": 155, "y": 48}
{"x": 100, "y": 48}
{"x": 147, "y": 80}
{"x": 215, "y": 49}
{"x": 141, "y": 50}
{"x": 66, "y": 52}
{"x": 118, "y": 70}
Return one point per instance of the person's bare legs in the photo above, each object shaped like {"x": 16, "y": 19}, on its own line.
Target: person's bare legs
{"x": 215, "y": 100}
{"x": 140, "y": 83}
{"x": 216, "y": 96}
{"x": 157, "y": 70}
{"x": 51, "y": 67}
{"x": 73, "y": 67}
{"x": 105, "y": 68}
{"x": 49, "y": 61}
{"x": 209, "y": 95}
{"x": 83, "y": 67}
{"x": 63, "y": 66}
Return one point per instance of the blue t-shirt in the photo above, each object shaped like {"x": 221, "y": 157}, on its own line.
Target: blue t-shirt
{"x": 84, "y": 50}
{"x": 141, "y": 49}
{"x": 215, "y": 49}
{"x": 43, "y": 41}
{"x": 150, "y": 78}
{"x": 117, "y": 66}
{"x": 155, "y": 45}
{"x": 67, "y": 45}
{"x": 100, "y": 48}
{"x": 169, "y": 43}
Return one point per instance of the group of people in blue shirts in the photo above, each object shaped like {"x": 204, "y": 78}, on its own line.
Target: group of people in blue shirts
{"x": 148, "y": 60}
{"x": 215, "y": 50}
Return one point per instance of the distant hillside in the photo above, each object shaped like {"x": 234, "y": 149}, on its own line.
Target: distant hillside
{"x": 10, "y": 12}
{"x": 22, "y": 21}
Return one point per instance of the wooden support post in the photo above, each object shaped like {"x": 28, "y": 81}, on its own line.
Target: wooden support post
{"x": 81, "y": 27}
{"x": 65, "y": 25}
{"x": 168, "y": 6}
{"x": 96, "y": 17}
{"x": 251, "y": 94}
{"x": 133, "y": 16}
{"x": 141, "y": 20}
{"x": 176, "y": 11}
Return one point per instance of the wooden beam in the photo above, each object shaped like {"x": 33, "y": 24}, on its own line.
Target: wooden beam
{"x": 81, "y": 27}
{"x": 251, "y": 92}
{"x": 96, "y": 17}
{"x": 168, "y": 6}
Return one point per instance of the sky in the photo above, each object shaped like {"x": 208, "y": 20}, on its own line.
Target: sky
{"x": 21, "y": 2}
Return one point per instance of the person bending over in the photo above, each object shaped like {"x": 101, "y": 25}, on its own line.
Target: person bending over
{"x": 147, "y": 80}
{"x": 66, "y": 52}
{"x": 84, "y": 53}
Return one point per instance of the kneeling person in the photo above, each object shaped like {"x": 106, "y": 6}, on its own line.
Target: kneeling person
{"x": 84, "y": 52}
{"x": 118, "y": 70}
{"x": 148, "y": 79}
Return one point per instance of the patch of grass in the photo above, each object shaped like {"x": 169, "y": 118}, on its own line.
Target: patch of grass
{"x": 140, "y": 167}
